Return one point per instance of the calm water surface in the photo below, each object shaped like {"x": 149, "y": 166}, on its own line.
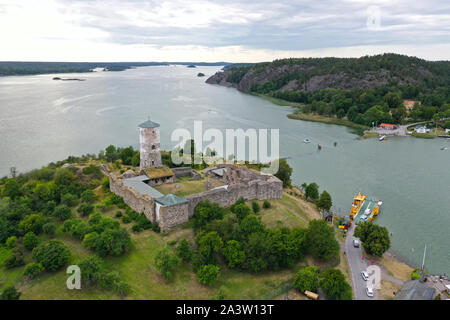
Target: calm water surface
{"x": 42, "y": 120}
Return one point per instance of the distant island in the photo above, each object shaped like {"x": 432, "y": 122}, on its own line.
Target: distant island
{"x": 68, "y": 79}
{"x": 16, "y": 68}
{"x": 191, "y": 66}
{"x": 200, "y": 74}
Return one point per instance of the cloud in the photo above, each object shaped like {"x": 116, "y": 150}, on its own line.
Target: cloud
{"x": 198, "y": 29}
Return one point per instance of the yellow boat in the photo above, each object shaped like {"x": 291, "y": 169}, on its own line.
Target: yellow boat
{"x": 364, "y": 208}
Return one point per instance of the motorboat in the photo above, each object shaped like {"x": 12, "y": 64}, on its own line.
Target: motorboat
{"x": 307, "y": 140}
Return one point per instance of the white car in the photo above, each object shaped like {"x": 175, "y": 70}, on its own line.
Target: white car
{"x": 355, "y": 243}
{"x": 369, "y": 292}
{"x": 365, "y": 275}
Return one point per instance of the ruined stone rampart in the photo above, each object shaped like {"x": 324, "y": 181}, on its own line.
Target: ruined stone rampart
{"x": 136, "y": 201}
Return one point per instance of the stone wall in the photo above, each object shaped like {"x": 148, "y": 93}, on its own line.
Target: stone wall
{"x": 171, "y": 216}
{"x": 183, "y": 172}
{"x": 136, "y": 201}
{"x": 268, "y": 187}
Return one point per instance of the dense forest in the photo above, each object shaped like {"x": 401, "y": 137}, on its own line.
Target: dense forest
{"x": 10, "y": 68}
{"x": 365, "y": 90}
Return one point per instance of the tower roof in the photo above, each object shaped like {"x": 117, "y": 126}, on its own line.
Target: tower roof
{"x": 148, "y": 124}
{"x": 171, "y": 200}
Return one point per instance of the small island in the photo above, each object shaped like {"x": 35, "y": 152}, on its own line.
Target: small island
{"x": 200, "y": 74}
{"x": 68, "y": 79}
{"x": 191, "y": 66}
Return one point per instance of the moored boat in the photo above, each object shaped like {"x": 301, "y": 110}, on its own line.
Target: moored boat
{"x": 307, "y": 140}
{"x": 364, "y": 208}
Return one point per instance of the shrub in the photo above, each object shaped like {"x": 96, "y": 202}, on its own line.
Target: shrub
{"x": 266, "y": 204}
{"x": 126, "y": 219}
{"x": 62, "y": 212}
{"x": 88, "y": 196}
{"x": 49, "y": 228}
{"x": 85, "y": 209}
{"x": 241, "y": 211}
{"x": 335, "y": 286}
{"x": 415, "y": 275}
{"x": 166, "y": 262}
{"x": 105, "y": 183}
{"x": 255, "y": 207}
{"x": 10, "y": 293}
{"x": 90, "y": 240}
{"x": 155, "y": 227}
{"x": 233, "y": 253}
{"x": 14, "y": 259}
{"x": 206, "y": 211}
{"x": 11, "y": 242}
{"x": 33, "y": 223}
{"x": 208, "y": 274}
{"x": 91, "y": 268}
{"x": 33, "y": 269}
{"x": 307, "y": 279}
{"x": 118, "y": 214}
{"x": 30, "y": 241}
{"x": 52, "y": 255}
{"x": 69, "y": 199}
{"x": 183, "y": 250}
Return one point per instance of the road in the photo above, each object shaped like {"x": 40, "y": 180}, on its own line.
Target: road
{"x": 356, "y": 265}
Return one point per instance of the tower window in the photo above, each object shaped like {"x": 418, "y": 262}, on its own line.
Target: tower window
{"x": 153, "y": 162}
{"x": 153, "y": 147}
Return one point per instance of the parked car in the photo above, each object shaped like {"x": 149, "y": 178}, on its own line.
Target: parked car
{"x": 356, "y": 243}
{"x": 369, "y": 292}
{"x": 365, "y": 275}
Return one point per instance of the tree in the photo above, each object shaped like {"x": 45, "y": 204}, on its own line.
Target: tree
{"x": 166, "y": 262}
{"x": 307, "y": 279}
{"x": 233, "y": 253}
{"x": 241, "y": 210}
{"x": 320, "y": 240}
{"x": 64, "y": 177}
{"x": 52, "y": 255}
{"x": 11, "y": 189}
{"x": 91, "y": 268}
{"x": 33, "y": 269}
{"x": 88, "y": 196}
{"x": 11, "y": 242}
{"x": 10, "y": 293}
{"x": 69, "y": 199}
{"x": 325, "y": 201}
{"x": 352, "y": 113}
{"x": 255, "y": 207}
{"x": 85, "y": 209}
{"x": 250, "y": 224}
{"x": 49, "y": 228}
{"x": 30, "y": 241}
{"x": 340, "y": 114}
{"x": 312, "y": 191}
{"x": 284, "y": 172}
{"x": 206, "y": 211}
{"x": 32, "y": 223}
{"x": 266, "y": 204}
{"x": 208, "y": 274}
{"x": 62, "y": 212}
{"x": 375, "y": 238}
{"x": 335, "y": 286}
{"x": 393, "y": 100}
{"x": 183, "y": 250}
{"x": 111, "y": 153}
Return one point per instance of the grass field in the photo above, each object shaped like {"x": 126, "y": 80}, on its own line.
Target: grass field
{"x": 186, "y": 187}
{"x": 137, "y": 265}
{"x": 356, "y": 128}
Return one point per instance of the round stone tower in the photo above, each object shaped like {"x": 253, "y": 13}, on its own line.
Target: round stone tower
{"x": 149, "y": 145}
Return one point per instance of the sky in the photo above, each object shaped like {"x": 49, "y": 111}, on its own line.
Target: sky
{"x": 232, "y": 31}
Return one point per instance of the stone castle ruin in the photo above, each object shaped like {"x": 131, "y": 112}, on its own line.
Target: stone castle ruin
{"x": 170, "y": 210}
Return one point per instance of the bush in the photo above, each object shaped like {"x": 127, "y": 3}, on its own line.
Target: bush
{"x": 69, "y": 199}
{"x": 88, "y": 196}
{"x": 11, "y": 242}
{"x": 14, "y": 259}
{"x": 91, "y": 268}
{"x": 208, "y": 274}
{"x": 241, "y": 211}
{"x": 33, "y": 269}
{"x": 105, "y": 183}
{"x": 118, "y": 214}
{"x": 126, "y": 219}
{"x": 33, "y": 223}
{"x": 415, "y": 275}
{"x": 10, "y": 293}
{"x": 52, "y": 255}
{"x": 183, "y": 250}
{"x": 49, "y": 228}
{"x": 206, "y": 211}
{"x": 233, "y": 253}
{"x": 85, "y": 209}
{"x": 307, "y": 279}
{"x": 255, "y": 207}
{"x": 335, "y": 286}
{"x": 62, "y": 212}
{"x": 30, "y": 241}
{"x": 266, "y": 204}
{"x": 166, "y": 262}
